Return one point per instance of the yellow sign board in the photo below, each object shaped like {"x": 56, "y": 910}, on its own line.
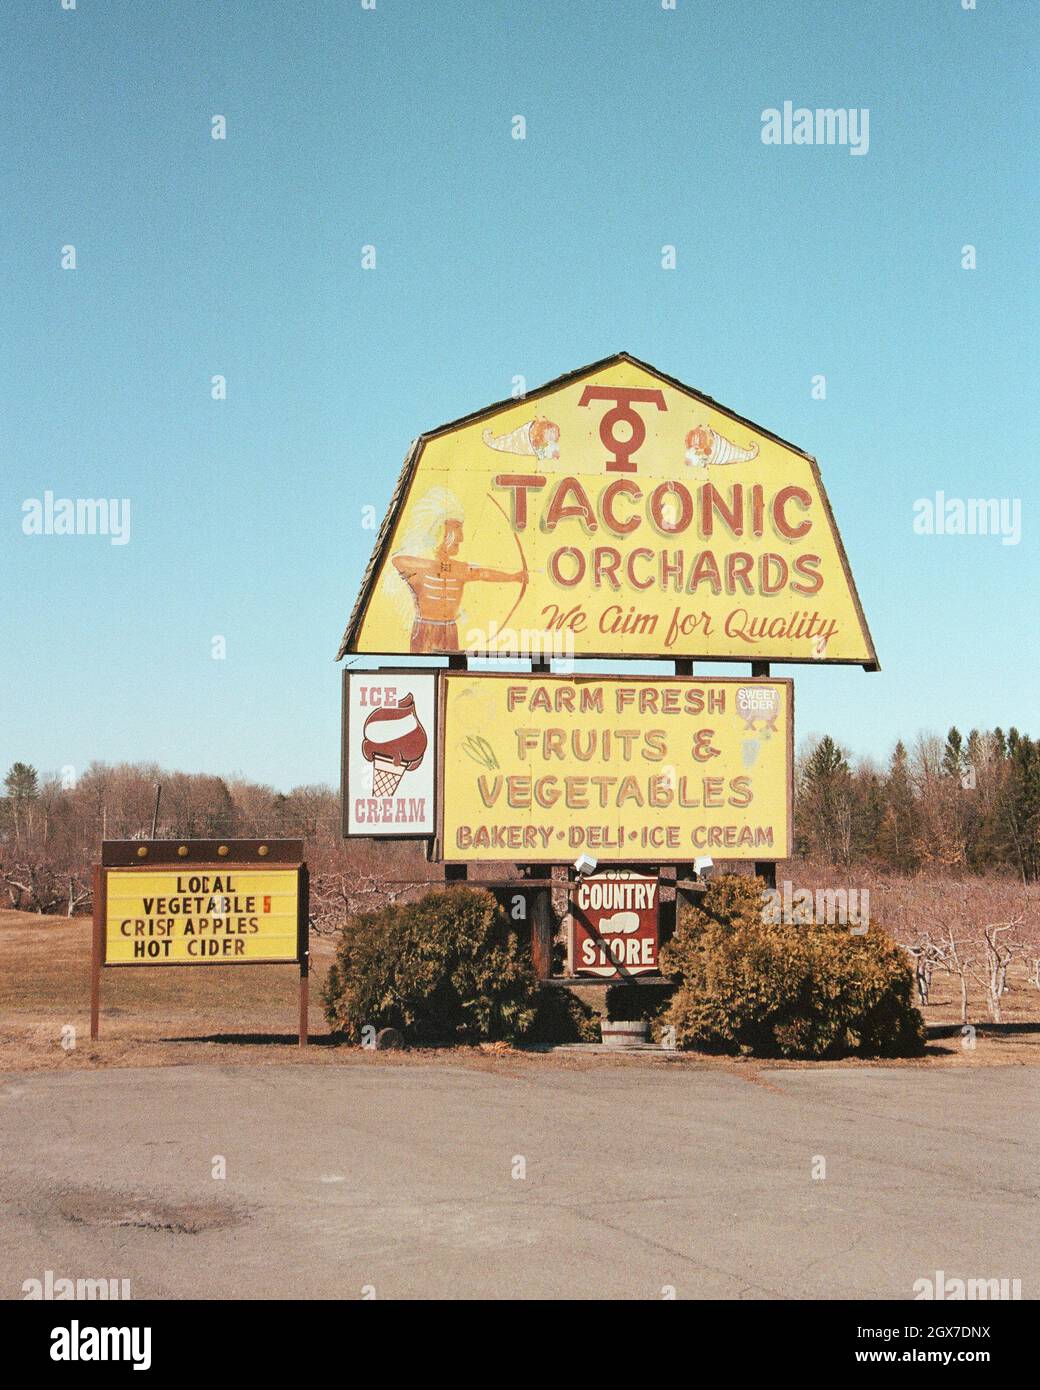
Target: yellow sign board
{"x": 539, "y": 769}
{"x": 613, "y": 513}
{"x": 201, "y": 916}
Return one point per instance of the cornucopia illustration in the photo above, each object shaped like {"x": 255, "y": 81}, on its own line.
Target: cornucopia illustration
{"x": 706, "y": 448}
{"x": 538, "y": 438}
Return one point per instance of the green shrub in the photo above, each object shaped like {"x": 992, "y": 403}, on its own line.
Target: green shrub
{"x": 625, "y": 1002}
{"x": 448, "y": 968}
{"x": 561, "y": 1017}
{"x": 784, "y": 990}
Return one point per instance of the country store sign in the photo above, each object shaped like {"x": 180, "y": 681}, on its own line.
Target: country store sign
{"x": 614, "y": 926}
{"x": 613, "y": 513}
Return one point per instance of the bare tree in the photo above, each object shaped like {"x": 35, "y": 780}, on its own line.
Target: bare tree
{"x": 950, "y": 958}
{"x": 79, "y": 895}
{"x": 927, "y": 957}
{"x": 337, "y": 896}
{"x": 997, "y": 955}
{"x": 33, "y": 886}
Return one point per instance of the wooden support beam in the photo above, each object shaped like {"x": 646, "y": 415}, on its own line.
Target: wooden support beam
{"x": 688, "y": 888}
{"x": 304, "y": 952}
{"x": 767, "y": 871}
{"x": 97, "y": 927}
{"x": 667, "y": 912}
{"x": 541, "y": 932}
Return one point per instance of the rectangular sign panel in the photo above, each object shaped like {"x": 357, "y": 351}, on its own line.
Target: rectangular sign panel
{"x": 390, "y": 720}
{"x": 614, "y": 926}
{"x": 656, "y": 769}
{"x": 201, "y": 915}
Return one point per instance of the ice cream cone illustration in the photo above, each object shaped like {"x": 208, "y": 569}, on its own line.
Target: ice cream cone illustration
{"x": 706, "y": 447}
{"x": 386, "y": 776}
{"x": 394, "y": 742}
{"x": 538, "y": 438}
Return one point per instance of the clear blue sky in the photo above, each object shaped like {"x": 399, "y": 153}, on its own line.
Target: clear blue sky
{"x": 495, "y": 257}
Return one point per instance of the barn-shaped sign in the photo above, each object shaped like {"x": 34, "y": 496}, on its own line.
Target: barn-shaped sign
{"x": 613, "y": 513}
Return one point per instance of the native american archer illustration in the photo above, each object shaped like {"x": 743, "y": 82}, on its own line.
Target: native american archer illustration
{"x": 437, "y": 580}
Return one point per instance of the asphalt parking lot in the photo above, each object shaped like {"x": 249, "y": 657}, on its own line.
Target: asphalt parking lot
{"x": 519, "y": 1182}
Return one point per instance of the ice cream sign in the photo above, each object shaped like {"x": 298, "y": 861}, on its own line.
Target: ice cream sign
{"x": 614, "y": 926}
{"x": 388, "y": 753}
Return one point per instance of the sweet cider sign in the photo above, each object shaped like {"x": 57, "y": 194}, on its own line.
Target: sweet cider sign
{"x": 613, "y": 513}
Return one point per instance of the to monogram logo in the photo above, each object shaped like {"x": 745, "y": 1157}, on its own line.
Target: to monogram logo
{"x": 621, "y": 450}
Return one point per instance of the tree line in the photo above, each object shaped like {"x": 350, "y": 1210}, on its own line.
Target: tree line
{"x": 959, "y": 805}
{"x": 954, "y": 806}
{"x": 51, "y": 828}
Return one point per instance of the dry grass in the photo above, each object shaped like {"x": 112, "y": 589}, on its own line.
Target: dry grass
{"x": 152, "y": 1016}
